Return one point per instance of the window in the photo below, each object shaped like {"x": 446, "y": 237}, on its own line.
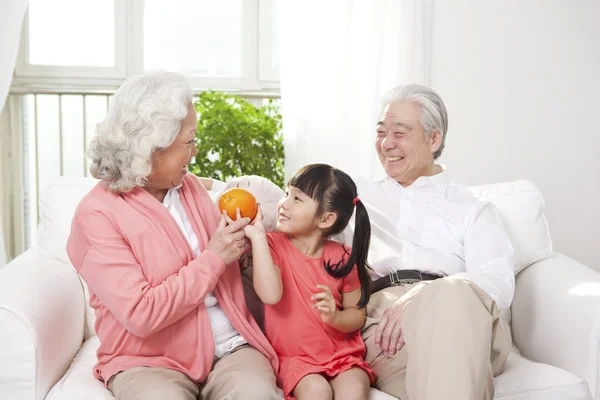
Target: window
{"x": 226, "y": 44}
{"x": 70, "y": 63}
{"x": 201, "y": 38}
{"x": 88, "y": 39}
{"x": 269, "y": 42}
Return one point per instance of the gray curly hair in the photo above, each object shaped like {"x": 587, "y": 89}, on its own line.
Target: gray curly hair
{"x": 433, "y": 111}
{"x": 145, "y": 117}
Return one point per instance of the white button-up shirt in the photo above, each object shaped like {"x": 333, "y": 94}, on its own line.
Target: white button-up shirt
{"x": 225, "y": 336}
{"x": 437, "y": 226}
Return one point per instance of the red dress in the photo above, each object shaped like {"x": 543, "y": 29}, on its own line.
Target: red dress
{"x": 303, "y": 343}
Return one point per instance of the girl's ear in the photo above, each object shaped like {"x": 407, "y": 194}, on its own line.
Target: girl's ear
{"x": 327, "y": 220}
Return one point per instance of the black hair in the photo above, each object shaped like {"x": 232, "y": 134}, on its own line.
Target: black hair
{"x": 334, "y": 191}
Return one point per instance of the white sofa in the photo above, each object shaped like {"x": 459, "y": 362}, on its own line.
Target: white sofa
{"x": 48, "y": 343}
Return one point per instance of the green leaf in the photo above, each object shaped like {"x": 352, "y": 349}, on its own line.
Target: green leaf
{"x": 236, "y": 138}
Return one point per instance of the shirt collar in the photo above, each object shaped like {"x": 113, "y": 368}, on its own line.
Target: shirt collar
{"x": 168, "y": 200}
{"x": 434, "y": 181}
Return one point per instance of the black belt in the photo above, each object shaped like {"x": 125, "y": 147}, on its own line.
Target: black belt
{"x": 401, "y": 277}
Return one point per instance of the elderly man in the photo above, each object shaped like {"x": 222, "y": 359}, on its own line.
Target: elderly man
{"x": 443, "y": 263}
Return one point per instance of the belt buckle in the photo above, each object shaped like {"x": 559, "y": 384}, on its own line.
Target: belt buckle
{"x": 396, "y": 281}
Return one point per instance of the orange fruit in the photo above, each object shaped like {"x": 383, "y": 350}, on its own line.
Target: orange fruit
{"x": 238, "y": 198}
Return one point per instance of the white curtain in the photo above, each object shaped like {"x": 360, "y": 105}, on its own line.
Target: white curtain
{"x": 12, "y": 13}
{"x": 336, "y": 59}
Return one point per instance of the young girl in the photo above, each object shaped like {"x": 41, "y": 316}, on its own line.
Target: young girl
{"x": 315, "y": 290}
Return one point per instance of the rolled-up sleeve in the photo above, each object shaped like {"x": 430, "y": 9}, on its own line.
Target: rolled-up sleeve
{"x": 489, "y": 255}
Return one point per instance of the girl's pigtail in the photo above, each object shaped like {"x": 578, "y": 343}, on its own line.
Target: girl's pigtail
{"x": 360, "y": 249}
{"x": 358, "y": 256}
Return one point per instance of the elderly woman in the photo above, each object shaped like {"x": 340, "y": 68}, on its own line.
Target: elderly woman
{"x": 160, "y": 262}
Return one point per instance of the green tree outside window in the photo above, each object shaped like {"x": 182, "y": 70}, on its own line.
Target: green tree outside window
{"x": 235, "y": 138}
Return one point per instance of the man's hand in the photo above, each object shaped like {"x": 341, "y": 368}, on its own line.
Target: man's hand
{"x": 388, "y": 336}
{"x": 325, "y": 303}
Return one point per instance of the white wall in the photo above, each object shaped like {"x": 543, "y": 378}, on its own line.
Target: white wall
{"x": 521, "y": 80}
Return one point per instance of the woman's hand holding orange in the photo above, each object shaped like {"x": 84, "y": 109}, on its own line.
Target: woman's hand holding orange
{"x": 229, "y": 241}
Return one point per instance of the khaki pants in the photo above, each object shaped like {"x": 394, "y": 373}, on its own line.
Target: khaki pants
{"x": 240, "y": 373}
{"x": 455, "y": 342}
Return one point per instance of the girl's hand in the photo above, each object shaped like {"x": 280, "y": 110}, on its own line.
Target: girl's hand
{"x": 255, "y": 229}
{"x": 325, "y": 303}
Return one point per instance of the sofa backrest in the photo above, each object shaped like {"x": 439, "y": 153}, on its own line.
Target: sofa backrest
{"x": 57, "y": 205}
{"x": 520, "y": 203}
{"x": 521, "y": 206}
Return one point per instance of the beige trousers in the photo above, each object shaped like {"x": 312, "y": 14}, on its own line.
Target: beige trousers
{"x": 238, "y": 374}
{"x": 455, "y": 342}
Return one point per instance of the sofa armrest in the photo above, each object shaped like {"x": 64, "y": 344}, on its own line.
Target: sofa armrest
{"x": 556, "y": 317}
{"x": 41, "y": 324}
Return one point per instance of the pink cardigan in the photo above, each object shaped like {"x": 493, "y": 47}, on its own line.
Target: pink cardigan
{"x": 146, "y": 286}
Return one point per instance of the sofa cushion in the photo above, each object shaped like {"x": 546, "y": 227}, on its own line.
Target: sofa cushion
{"x": 522, "y": 380}
{"x": 521, "y": 206}
{"x": 79, "y": 383}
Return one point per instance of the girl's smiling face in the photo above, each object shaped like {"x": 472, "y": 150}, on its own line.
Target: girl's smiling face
{"x": 297, "y": 213}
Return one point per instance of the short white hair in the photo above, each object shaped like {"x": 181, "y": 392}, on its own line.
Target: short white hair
{"x": 434, "y": 115}
{"x": 145, "y": 116}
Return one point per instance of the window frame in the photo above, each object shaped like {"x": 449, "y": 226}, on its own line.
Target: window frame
{"x": 265, "y": 50}
{"x": 256, "y": 43}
